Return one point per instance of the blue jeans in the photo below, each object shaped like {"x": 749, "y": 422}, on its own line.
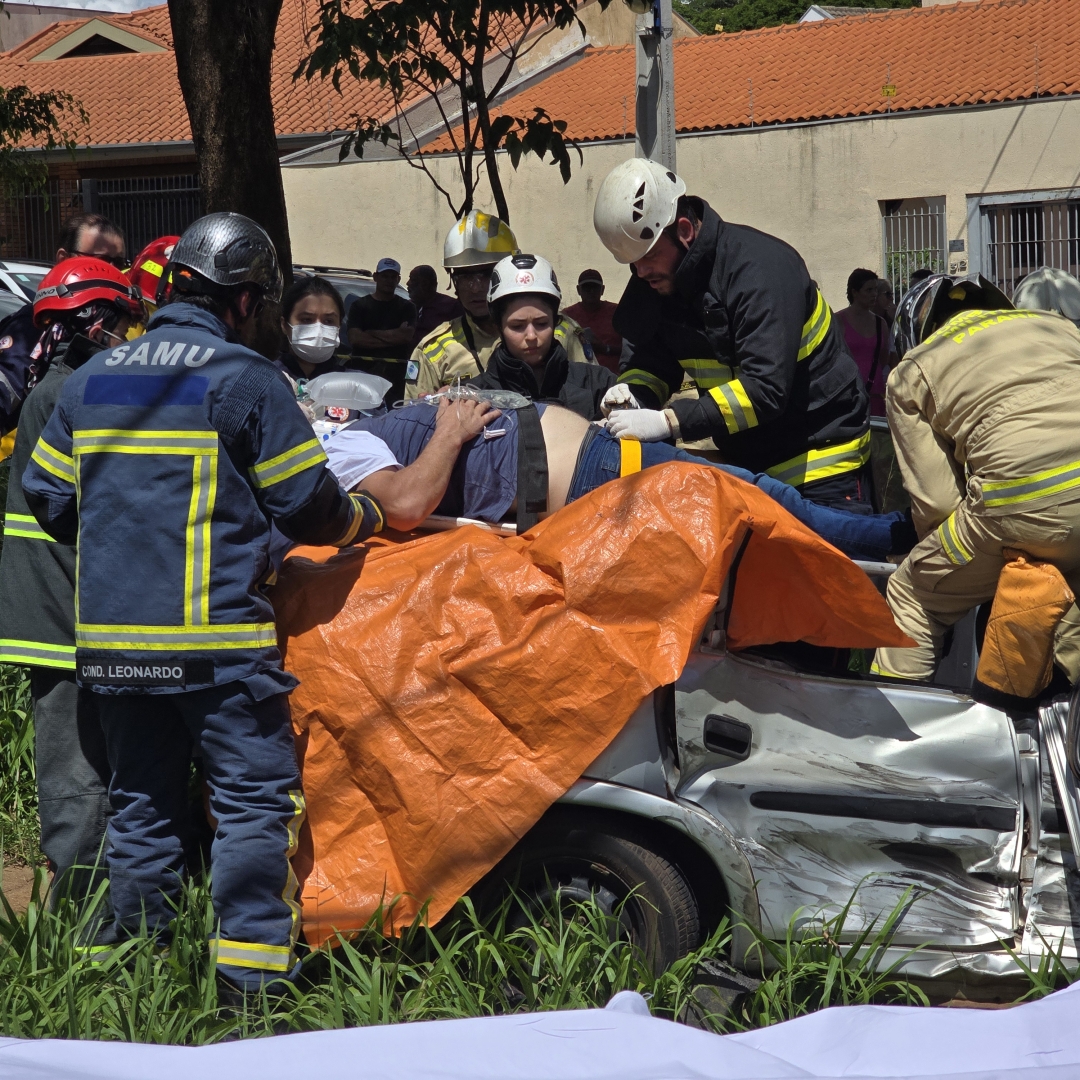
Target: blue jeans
{"x": 862, "y": 536}
{"x": 250, "y": 765}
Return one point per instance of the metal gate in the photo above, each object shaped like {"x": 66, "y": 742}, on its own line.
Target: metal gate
{"x": 144, "y": 207}
{"x": 913, "y": 238}
{"x": 1022, "y": 237}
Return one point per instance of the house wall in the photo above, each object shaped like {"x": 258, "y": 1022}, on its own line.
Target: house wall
{"x": 819, "y": 187}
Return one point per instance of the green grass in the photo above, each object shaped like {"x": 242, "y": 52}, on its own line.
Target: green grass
{"x": 569, "y": 956}
{"x": 18, "y": 791}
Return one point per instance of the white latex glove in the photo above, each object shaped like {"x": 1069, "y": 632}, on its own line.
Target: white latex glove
{"x": 645, "y": 425}
{"x": 618, "y": 397}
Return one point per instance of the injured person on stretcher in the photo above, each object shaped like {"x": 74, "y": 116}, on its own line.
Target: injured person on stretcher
{"x": 464, "y": 459}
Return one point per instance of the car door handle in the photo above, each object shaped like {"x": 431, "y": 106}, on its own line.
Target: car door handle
{"x": 727, "y": 736}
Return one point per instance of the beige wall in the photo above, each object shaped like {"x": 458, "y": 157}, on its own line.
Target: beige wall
{"x": 818, "y": 187}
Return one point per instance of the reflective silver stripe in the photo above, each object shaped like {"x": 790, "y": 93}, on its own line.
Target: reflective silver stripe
{"x": 245, "y": 955}
{"x": 25, "y": 525}
{"x": 1050, "y": 482}
{"x": 708, "y": 373}
{"x": 37, "y": 653}
{"x": 954, "y": 550}
{"x": 739, "y": 418}
{"x": 153, "y": 442}
{"x": 821, "y": 464}
{"x": 815, "y": 328}
{"x": 289, "y": 464}
{"x": 197, "y": 570}
{"x": 639, "y": 377}
{"x": 239, "y": 635}
{"x": 53, "y": 461}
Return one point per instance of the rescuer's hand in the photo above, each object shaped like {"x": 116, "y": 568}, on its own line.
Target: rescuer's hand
{"x": 618, "y": 397}
{"x": 645, "y": 425}
{"x": 464, "y": 419}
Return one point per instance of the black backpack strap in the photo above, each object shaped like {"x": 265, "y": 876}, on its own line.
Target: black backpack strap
{"x": 470, "y": 340}
{"x": 532, "y": 469}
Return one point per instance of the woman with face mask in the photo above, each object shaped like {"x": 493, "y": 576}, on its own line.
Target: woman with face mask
{"x": 312, "y": 312}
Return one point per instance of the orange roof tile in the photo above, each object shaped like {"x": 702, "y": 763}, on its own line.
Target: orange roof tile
{"x": 136, "y": 98}
{"x": 937, "y": 57}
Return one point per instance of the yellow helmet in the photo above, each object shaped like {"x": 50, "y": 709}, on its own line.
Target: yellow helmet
{"x": 478, "y": 239}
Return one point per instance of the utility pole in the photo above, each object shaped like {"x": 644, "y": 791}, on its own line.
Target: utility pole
{"x": 655, "y": 105}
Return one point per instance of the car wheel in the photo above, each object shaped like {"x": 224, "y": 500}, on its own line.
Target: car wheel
{"x": 654, "y": 904}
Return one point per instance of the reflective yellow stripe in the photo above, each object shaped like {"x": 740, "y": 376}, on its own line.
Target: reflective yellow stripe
{"x": 877, "y": 669}
{"x": 305, "y": 456}
{"x": 360, "y": 504}
{"x": 197, "y": 541}
{"x": 630, "y": 454}
{"x": 823, "y": 463}
{"x": 37, "y": 653}
{"x": 735, "y": 406}
{"x": 176, "y": 638}
{"x": 25, "y": 525}
{"x": 954, "y": 550}
{"x": 127, "y": 441}
{"x": 708, "y": 373}
{"x": 52, "y": 461}
{"x": 1038, "y": 486}
{"x": 7, "y": 446}
{"x": 243, "y": 954}
{"x": 292, "y": 886}
{"x": 638, "y": 377}
{"x": 815, "y": 328}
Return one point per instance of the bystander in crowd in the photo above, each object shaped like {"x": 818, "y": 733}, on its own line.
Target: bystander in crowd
{"x": 433, "y": 308}
{"x": 593, "y": 314}
{"x": 381, "y": 329}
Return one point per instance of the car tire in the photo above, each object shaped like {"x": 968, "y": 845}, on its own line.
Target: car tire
{"x": 656, "y": 907}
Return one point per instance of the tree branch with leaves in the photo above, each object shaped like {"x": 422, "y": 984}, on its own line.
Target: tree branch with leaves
{"x": 34, "y": 120}
{"x": 456, "y": 59}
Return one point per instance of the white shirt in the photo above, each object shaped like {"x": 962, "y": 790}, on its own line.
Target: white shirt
{"x": 354, "y": 455}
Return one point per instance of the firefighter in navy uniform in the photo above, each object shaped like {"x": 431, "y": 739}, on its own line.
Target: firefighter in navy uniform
{"x": 736, "y": 311}
{"x": 37, "y": 584}
{"x": 185, "y": 445}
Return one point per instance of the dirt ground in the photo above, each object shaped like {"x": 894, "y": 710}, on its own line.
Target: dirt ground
{"x": 17, "y": 883}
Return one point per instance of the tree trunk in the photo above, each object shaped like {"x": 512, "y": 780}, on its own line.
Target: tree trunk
{"x": 223, "y": 55}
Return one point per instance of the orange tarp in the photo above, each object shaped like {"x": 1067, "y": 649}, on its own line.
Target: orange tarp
{"x": 453, "y": 687}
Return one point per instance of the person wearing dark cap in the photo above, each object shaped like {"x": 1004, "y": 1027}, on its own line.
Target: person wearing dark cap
{"x": 433, "y": 308}
{"x": 594, "y": 315}
{"x": 381, "y": 329}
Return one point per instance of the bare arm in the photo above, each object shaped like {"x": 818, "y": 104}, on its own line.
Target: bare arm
{"x": 409, "y": 495}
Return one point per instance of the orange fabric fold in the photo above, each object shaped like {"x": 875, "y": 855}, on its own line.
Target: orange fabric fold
{"x": 454, "y": 686}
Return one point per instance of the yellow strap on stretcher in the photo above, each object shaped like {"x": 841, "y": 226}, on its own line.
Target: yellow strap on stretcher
{"x": 631, "y": 456}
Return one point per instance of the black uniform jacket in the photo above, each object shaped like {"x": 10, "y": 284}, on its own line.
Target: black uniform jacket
{"x": 18, "y": 336}
{"x": 37, "y": 574}
{"x": 578, "y": 387}
{"x": 749, "y": 325}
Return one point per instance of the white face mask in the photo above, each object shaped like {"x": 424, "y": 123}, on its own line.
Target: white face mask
{"x": 314, "y": 342}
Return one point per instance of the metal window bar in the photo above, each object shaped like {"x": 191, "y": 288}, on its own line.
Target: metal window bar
{"x": 144, "y": 207}
{"x": 1022, "y": 237}
{"x": 913, "y": 237}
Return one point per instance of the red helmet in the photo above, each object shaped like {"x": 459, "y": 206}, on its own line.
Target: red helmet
{"x": 75, "y": 283}
{"x": 149, "y": 265}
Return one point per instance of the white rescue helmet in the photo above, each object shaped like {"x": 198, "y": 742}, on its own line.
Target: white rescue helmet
{"x": 1049, "y": 289}
{"x": 478, "y": 239}
{"x": 636, "y": 202}
{"x": 524, "y": 275}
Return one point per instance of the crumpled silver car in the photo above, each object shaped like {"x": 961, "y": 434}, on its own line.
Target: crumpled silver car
{"x": 766, "y": 786}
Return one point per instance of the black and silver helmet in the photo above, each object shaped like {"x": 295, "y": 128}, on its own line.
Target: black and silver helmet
{"x": 227, "y": 250}
{"x": 928, "y": 305}
{"x": 1048, "y": 289}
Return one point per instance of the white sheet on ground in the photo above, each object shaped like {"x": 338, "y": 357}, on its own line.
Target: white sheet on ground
{"x": 1031, "y": 1042}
